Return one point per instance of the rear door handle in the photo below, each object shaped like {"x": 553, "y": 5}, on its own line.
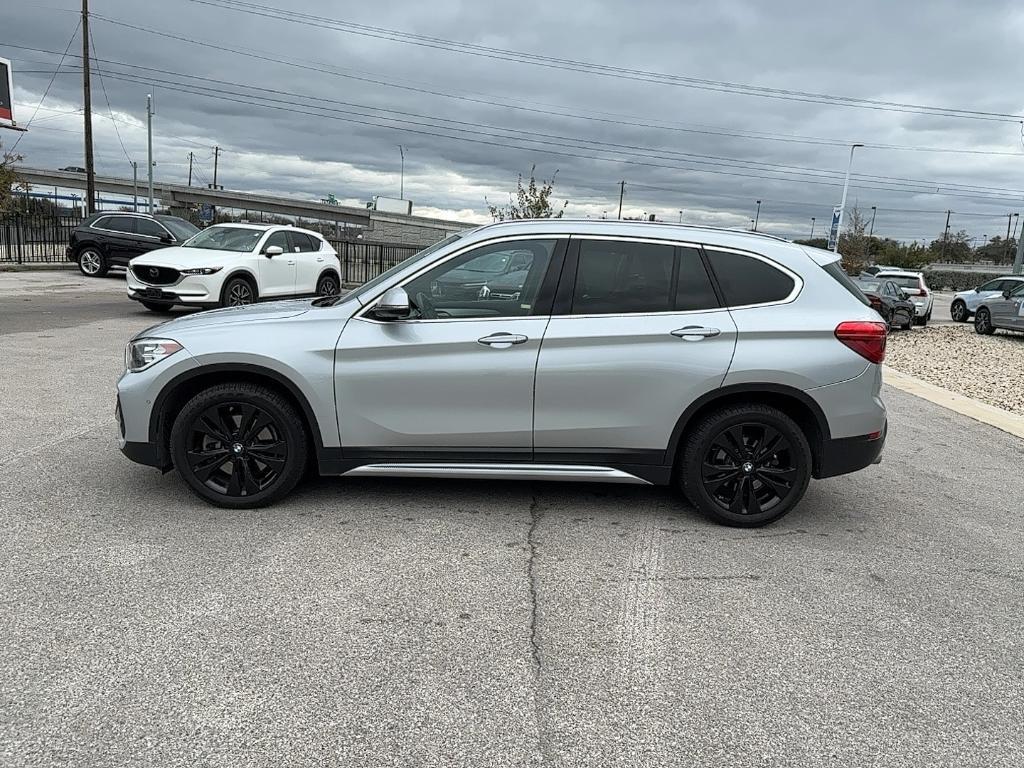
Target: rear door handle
{"x": 503, "y": 340}
{"x": 291, "y": 263}
{"x": 695, "y": 333}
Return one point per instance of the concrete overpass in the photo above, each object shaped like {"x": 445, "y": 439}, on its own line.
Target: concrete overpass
{"x": 374, "y": 226}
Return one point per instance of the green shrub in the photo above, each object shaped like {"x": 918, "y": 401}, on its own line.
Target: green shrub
{"x": 958, "y": 280}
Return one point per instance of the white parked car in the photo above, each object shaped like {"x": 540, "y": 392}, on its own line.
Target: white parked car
{"x": 917, "y": 291}
{"x": 232, "y": 264}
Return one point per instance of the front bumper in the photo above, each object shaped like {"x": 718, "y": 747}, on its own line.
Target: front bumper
{"x": 189, "y": 290}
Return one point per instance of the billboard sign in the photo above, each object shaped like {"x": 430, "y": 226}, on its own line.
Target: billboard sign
{"x": 6, "y": 94}
{"x": 206, "y": 213}
{"x": 833, "y": 233}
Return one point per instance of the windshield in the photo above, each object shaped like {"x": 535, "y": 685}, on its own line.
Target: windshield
{"x": 180, "y": 228}
{"x": 238, "y": 239}
{"x": 492, "y": 263}
{"x": 368, "y": 286}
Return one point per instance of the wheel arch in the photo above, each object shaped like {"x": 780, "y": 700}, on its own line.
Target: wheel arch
{"x": 796, "y": 404}
{"x": 183, "y": 387}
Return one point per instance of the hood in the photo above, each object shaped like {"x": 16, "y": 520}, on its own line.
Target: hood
{"x": 252, "y": 313}
{"x": 185, "y": 258}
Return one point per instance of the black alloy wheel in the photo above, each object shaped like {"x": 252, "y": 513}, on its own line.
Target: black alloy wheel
{"x": 328, "y": 286}
{"x": 746, "y": 465}
{"x": 958, "y": 312}
{"x": 983, "y": 322}
{"x": 239, "y": 445}
{"x": 238, "y": 292}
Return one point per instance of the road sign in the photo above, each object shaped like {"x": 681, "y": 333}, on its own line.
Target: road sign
{"x": 6, "y": 95}
{"x": 833, "y": 233}
{"x": 206, "y": 213}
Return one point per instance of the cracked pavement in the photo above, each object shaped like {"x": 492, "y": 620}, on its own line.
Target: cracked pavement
{"x": 371, "y": 622}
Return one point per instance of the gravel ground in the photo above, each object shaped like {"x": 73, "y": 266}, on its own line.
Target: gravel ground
{"x": 987, "y": 368}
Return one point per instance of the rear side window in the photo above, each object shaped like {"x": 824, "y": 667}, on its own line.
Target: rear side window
{"x": 301, "y": 242}
{"x": 693, "y": 286}
{"x": 746, "y": 280}
{"x": 117, "y": 223}
{"x": 621, "y": 276}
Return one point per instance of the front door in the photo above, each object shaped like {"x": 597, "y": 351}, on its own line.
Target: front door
{"x": 635, "y": 337}
{"x": 277, "y": 273}
{"x": 1009, "y": 313}
{"x": 454, "y": 381}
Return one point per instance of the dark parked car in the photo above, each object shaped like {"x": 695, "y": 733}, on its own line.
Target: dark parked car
{"x": 889, "y": 300}
{"x": 105, "y": 240}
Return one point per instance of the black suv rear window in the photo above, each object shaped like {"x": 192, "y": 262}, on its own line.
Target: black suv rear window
{"x": 746, "y": 280}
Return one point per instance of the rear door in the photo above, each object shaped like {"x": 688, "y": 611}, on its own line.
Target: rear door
{"x": 277, "y": 273}
{"x": 308, "y": 261}
{"x": 120, "y": 238}
{"x": 636, "y": 335}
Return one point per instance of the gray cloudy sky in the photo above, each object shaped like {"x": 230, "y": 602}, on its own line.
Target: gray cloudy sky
{"x": 470, "y": 123}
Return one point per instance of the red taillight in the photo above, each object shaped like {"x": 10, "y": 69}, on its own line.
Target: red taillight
{"x": 865, "y": 338}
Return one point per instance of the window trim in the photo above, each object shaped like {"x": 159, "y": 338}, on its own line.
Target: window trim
{"x": 135, "y": 218}
{"x": 561, "y": 243}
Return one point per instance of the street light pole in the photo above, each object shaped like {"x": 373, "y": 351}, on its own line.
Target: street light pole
{"x": 680, "y": 217}
{"x": 149, "y": 145}
{"x": 135, "y": 186}
{"x": 812, "y": 228}
{"x": 757, "y": 216}
{"x": 401, "y": 184}
{"x": 842, "y": 205}
{"x": 874, "y": 210}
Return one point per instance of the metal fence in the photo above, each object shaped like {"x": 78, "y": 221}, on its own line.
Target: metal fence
{"x": 31, "y": 238}
{"x": 39, "y": 238}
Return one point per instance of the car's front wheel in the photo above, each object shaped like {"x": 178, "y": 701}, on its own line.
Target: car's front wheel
{"x": 237, "y": 292}
{"x": 983, "y": 322}
{"x": 239, "y": 445}
{"x": 958, "y": 312}
{"x": 745, "y": 465}
{"x": 92, "y": 263}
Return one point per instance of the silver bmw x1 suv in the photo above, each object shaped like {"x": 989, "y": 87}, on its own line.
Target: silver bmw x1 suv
{"x": 732, "y": 365}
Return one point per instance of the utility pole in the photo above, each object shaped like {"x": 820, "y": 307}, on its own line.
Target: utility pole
{"x": 842, "y": 205}
{"x": 401, "y": 185}
{"x": 757, "y": 216}
{"x": 191, "y": 155}
{"x": 945, "y": 237}
{"x": 1009, "y": 219}
{"x": 812, "y": 228}
{"x": 135, "y": 186}
{"x": 90, "y": 170}
{"x": 622, "y": 193}
{"x": 874, "y": 210}
{"x": 216, "y": 156}
{"x": 149, "y": 145}
{"x": 1018, "y": 263}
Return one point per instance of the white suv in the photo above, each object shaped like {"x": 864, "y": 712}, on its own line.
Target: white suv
{"x": 233, "y": 264}
{"x": 917, "y": 291}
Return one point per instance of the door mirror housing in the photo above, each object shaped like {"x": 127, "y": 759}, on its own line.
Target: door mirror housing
{"x": 166, "y": 238}
{"x": 393, "y": 305}
{"x": 1006, "y": 294}
{"x": 273, "y": 250}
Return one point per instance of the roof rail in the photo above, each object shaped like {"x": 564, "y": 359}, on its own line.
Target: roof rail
{"x": 667, "y": 224}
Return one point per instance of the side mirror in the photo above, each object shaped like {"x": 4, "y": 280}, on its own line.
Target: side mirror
{"x": 274, "y": 250}
{"x": 165, "y": 238}
{"x": 393, "y": 305}
{"x": 978, "y": 289}
{"x": 1006, "y": 294}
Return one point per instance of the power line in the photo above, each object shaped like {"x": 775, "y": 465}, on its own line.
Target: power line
{"x": 552, "y": 62}
{"x": 110, "y": 111}
{"x": 49, "y": 85}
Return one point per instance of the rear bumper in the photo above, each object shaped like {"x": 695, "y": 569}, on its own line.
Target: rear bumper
{"x": 850, "y": 454}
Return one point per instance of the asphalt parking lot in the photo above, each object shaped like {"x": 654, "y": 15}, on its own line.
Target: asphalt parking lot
{"x": 406, "y": 623}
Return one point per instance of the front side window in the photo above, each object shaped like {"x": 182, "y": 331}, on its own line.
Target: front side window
{"x": 746, "y": 280}
{"x": 495, "y": 280}
{"x": 238, "y": 239}
{"x": 992, "y": 285}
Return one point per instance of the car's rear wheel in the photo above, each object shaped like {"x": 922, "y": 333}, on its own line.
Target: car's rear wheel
{"x": 239, "y": 445}
{"x": 237, "y": 292}
{"x": 745, "y": 465}
{"x": 92, "y": 263}
{"x": 328, "y": 285}
{"x": 958, "y": 312}
{"x": 152, "y": 306}
{"x": 983, "y": 322}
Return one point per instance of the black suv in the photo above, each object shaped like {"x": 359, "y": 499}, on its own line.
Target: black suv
{"x": 106, "y": 240}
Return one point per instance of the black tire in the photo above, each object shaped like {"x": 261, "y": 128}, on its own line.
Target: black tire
{"x": 238, "y": 292}
{"x": 268, "y": 463}
{"x": 152, "y": 306}
{"x": 720, "y": 461}
{"x": 910, "y": 322}
{"x": 92, "y": 262}
{"x": 328, "y": 285}
{"x": 983, "y": 322}
{"x": 958, "y": 312}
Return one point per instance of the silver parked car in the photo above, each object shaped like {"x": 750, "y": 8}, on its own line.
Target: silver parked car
{"x": 733, "y": 365}
{"x": 1004, "y": 310}
{"x": 966, "y": 303}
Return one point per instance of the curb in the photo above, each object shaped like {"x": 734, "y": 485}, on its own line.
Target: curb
{"x": 41, "y": 267}
{"x": 965, "y": 406}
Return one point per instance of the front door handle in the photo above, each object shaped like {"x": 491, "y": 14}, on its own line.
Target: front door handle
{"x": 695, "y": 333}
{"x": 502, "y": 340}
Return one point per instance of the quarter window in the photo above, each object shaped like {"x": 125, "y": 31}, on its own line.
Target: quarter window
{"x": 497, "y": 280}
{"x": 746, "y": 280}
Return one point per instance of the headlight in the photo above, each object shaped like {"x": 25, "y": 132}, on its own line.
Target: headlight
{"x": 142, "y": 353}
{"x": 201, "y": 271}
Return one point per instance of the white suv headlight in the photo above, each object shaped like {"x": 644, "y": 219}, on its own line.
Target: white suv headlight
{"x": 201, "y": 271}
{"x": 142, "y": 353}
